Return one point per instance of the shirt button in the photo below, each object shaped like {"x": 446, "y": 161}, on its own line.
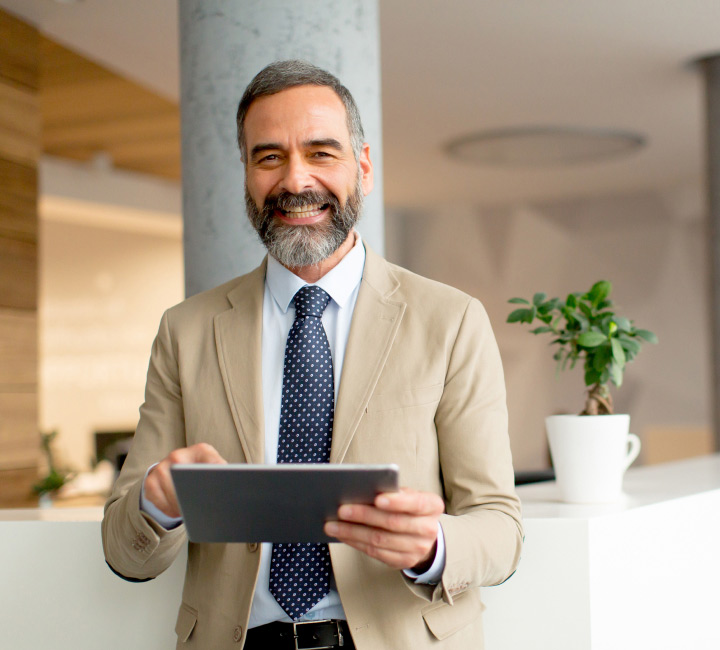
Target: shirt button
{"x": 237, "y": 633}
{"x": 252, "y": 547}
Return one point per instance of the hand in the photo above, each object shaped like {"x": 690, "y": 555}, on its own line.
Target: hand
{"x": 399, "y": 529}
{"x": 159, "y": 488}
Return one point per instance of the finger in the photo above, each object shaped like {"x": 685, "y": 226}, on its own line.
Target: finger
{"x": 199, "y": 453}
{"x": 160, "y": 490}
{"x": 399, "y": 551}
{"x": 411, "y": 502}
{"x": 398, "y": 522}
{"x": 394, "y": 559}
{"x": 382, "y": 538}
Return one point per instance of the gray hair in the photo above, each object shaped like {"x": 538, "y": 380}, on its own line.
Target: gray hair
{"x": 282, "y": 75}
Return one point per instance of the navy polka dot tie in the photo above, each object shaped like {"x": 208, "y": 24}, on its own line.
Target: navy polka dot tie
{"x": 300, "y": 573}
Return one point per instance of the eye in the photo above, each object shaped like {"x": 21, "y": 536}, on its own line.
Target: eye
{"x": 321, "y": 154}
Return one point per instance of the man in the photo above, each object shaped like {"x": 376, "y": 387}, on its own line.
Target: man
{"x": 412, "y": 376}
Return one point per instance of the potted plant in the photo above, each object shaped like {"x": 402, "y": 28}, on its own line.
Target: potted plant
{"x": 49, "y": 485}
{"x": 590, "y": 451}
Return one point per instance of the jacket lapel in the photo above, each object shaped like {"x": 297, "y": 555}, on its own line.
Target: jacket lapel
{"x": 374, "y": 326}
{"x": 238, "y": 339}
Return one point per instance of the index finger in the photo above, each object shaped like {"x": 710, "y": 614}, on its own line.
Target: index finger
{"x": 203, "y": 453}
{"x": 410, "y": 502}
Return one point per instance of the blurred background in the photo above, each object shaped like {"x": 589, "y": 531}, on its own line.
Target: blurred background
{"x": 527, "y": 146}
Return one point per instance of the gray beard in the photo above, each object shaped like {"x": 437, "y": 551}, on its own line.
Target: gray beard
{"x": 298, "y": 246}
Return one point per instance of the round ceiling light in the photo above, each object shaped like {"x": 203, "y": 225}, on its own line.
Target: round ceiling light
{"x": 543, "y": 146}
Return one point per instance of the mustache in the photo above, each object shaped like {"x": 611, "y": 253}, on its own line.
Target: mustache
{"x": 288, "y": 201}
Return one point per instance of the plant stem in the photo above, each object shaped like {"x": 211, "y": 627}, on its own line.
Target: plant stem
{"x": 599, "y": 401}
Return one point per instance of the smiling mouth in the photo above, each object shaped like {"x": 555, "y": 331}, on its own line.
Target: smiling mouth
{"x": 306, "y": 211}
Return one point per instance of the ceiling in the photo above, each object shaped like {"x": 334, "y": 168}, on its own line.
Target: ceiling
{"x": 91, "y": 114}
{"x": 458, "y": 66}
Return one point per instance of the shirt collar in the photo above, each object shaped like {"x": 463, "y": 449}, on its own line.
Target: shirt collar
{"x": 339, "y": 283}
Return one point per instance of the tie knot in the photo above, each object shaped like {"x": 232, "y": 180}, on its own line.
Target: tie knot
{"x": 310, "y": 301}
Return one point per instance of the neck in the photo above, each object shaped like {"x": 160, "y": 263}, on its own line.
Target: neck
{"x": 314, "y": 272}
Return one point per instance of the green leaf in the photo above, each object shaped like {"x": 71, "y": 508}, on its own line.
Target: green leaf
{"x": 584, "y": 322}
{"x": 541, "y": 330}
{"x": 519, "y": 315}
{"x": 591, "y": 339}
{"x": 571, "y": 301}
{"x": 599, "y": 291}
{"x": 591, "y": 377}
{"x": 585, "y": 309}
{"x": 647, "y": 336}
{"x": 601, "y": 356}
{"x": 623, "y": 324}
{"x": 539, "y": 298}
{"x": 618, "y": 353}
{"x": 616, "y": 374}
{"x": 518, "y": 301}
{"x": 555, "y": 304}
{"x": 629, "y": 345}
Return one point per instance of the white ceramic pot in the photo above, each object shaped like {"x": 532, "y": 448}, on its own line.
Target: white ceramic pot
{"x": 590, "y": 454}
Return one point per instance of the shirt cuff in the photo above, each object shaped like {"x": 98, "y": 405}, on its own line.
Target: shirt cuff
{"x": 150, "y": 509}
{"x": 434, "y": 574}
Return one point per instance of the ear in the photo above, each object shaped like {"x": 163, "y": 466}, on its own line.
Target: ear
{"x": 366, "y": 170}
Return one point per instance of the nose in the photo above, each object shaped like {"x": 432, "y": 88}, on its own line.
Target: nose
{"x": 296, "y": 177}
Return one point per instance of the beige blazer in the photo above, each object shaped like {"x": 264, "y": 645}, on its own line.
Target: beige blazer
{"x": 422, "y": 386}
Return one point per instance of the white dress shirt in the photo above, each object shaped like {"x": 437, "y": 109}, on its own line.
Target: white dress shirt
{"x": 342, "y": 284}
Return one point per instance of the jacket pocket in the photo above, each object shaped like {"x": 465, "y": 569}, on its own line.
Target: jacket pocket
{"x": 186, "y": 620}
{"x": 444, "y": 620}
{"x": 407, "y": 398}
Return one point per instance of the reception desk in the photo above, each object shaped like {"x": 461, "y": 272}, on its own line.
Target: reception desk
{"x": 643, "y": 573}
{"x": 640, "y": 574}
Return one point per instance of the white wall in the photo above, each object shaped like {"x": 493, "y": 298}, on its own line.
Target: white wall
{"x": 651, "y": 246}
{"x": 107, "y": 272}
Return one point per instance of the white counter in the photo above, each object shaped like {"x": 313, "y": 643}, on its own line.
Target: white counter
{"x": 641, "y": 574}
{"x": 56, "y": 591}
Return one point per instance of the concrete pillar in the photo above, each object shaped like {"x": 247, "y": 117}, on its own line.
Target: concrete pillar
{"x": 223, "y": 44}
{"x": 711, "y": 69}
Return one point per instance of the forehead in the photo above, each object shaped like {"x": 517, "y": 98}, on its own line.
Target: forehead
{"x": 298, "y": 113}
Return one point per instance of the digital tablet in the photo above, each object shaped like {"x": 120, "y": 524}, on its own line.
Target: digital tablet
{"x": 272, "y": 503}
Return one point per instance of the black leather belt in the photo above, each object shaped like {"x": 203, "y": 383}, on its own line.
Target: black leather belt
{"x": 310, "y": 635}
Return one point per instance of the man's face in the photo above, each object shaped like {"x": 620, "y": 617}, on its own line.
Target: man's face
{"x": 303, "y": 186}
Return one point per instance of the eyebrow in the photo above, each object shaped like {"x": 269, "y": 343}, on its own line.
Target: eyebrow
{"x": 322, "y": 142}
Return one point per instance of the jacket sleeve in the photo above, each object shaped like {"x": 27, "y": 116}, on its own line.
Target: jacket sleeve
{"x": 135, "y": 546}
{"x": 482, "y": 525}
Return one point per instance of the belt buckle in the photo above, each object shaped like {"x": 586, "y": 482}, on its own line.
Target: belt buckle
{"x": 341, "y": 641}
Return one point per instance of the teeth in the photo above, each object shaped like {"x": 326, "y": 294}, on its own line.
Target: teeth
{"x": 305, "y": 211}
{"x": 305, "y": 208}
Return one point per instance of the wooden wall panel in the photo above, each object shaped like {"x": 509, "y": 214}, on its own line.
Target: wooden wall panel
{"x": 18, "y": 274}
{"x": 19, "y": 52}
{"x": 19, "y": 124}
{"x": 16, "y": 487}
{"x": 19, "y": 437}
{"x": 18, "y": 201}
{"x": 18, "y": 351}
{"x": 19, "y": 153}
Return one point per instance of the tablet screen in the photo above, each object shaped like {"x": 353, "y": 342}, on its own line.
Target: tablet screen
{"x": 272, "y": 503}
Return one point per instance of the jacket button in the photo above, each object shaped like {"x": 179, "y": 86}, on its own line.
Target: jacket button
{"x": 237, "y": 633}
{"x": 252, "y": 547}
